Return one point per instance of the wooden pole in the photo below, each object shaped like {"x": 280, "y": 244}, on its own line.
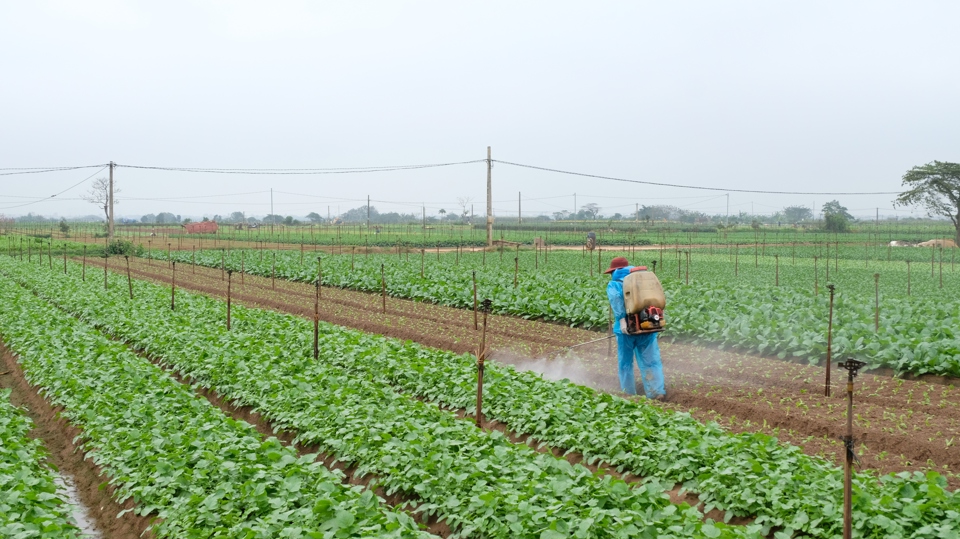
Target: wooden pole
{"x": 422, "y": 257}
{"x": 83, "y": 274}
{"x": 273, "y": 272}
{"x": 777, "y": 259}
{"x": 65, "y": 264}
{"x": 229, "y": 289}
{"x": 105, "y": 259}
{"x": 383, "y": 288}
{"x": 481, "y": 356}
{"x": 319, "y": 280}
{"x": 129, "y": 280}
{"x": 908, "y": 278}
{"x": 316, "y": 318}
{"x": 816, "y": 276}
{"x": 826, "y": 384}
{"x": 242, "y": 269}
{"x": 475, "y": 301}
{"x": 876, "y": 291}
{"x": 173, "y": 287}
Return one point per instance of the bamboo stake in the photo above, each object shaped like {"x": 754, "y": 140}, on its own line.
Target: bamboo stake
{"x": 129, "y": 280}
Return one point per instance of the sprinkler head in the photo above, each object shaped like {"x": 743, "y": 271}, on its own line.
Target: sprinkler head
{"x": 486, "y": 305}
{"x": 831, "y": 287}
{"x": 852, "y": 365}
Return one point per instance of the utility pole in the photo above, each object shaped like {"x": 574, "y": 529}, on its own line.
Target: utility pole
{"x": 110, "y": 224}
{"x": 637, "y": 218}
{"x": 574, "y": 204}
{"x": 519, "y": 211}
{"x": 271, "y": 201}
{"x": 489, "y": 198}
{"x": 328, "y": 214}
{"x": 728, "y": 211}
{"x": 368, "y": 212}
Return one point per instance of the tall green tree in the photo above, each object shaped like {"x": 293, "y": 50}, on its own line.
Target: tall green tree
{"x": 795, "y": 214}
{"x": 936, "y": 188}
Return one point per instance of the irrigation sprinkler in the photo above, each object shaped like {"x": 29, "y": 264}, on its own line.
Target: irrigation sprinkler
{"x": 481, "y": 357}
{"x": 826, "y": 384}
{"x": 852, "y": 366}
{"x": 654, "y": 264}
{"x": 129, "y": 280}
{"x": 229, "y": 290}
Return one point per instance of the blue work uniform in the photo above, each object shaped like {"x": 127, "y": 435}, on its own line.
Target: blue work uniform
{"x": 643, "y": 347}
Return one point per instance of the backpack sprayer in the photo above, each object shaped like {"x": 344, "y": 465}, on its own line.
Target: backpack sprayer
{"x": 644, "y": 300}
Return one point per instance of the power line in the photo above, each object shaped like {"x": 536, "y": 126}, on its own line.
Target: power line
{"x": 661, "y": 184}
{"x": 41, "y": 170}
{"x": 55, "y": 194}
{"x": 301, "y": 171}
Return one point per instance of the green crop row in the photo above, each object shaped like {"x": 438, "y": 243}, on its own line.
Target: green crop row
{"x": 745, "y": 474}
{"x": 176, "y": 456}
{"x": 730, "y": 304}
{"x": 30, "y": 506}
{"x": 478, "y": 482}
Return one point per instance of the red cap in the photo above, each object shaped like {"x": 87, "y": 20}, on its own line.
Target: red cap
{"x": 617, "y": 263}
{"x": 638, "y": 268}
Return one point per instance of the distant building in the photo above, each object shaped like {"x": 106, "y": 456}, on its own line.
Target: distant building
{"x": 201, "y": 227}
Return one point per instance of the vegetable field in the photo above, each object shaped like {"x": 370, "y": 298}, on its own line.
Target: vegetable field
{"x": 370, "y": 382}
{"x": 775, "y": 302}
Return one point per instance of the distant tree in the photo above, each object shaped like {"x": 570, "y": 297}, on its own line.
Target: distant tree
{"x": 442, "y": 212}
{"x": 64, "y": 227}
{"x": 148, "y": 219}
{"x": 560, "y": 215}
{"x": 205, "y": 220}
{"x": 464, "y": 203}
{"x": 795, "y": 214}
{"x": 99, "y": 194}
{"x": 835, "y": 217}
{"x": 288, "y": 220}
{"x": 314, "y": 217}
{"x": 935, "y": 187}
{"x": 187, "y": 220}
{"x": 590, "y": 211}
{"x": 167, "y": 218}
{"x": 237, "y": 217}
{"x": 273, "y": 219}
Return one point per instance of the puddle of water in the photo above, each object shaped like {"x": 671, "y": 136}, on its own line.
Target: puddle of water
{"x": 88, "y": 529}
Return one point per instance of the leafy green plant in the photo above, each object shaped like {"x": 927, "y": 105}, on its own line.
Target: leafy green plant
{"x": 30, "y": 506}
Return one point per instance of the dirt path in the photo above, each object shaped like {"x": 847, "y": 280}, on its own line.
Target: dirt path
{"x": 58, "y": 435}
{"x": 899, "y": 424}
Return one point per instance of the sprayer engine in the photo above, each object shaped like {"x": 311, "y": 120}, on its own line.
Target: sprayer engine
{"x": 649, "y": 320}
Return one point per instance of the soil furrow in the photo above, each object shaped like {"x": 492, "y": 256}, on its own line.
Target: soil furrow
{"x": 88, "y": 478}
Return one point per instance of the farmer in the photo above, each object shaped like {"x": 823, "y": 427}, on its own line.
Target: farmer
{"x": 644, "y": 347}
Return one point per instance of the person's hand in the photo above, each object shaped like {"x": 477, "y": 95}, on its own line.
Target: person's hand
{"x": 623, "y": 325}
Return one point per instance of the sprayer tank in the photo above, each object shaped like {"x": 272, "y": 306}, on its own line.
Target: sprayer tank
{"x": 642, "y": 289}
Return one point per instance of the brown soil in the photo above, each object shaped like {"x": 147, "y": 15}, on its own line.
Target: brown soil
{"x": 57, "y": 435}
{"x": 898, "y": 424}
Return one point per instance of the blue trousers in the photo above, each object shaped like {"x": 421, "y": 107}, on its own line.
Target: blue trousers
{"x": 647, "y": 353}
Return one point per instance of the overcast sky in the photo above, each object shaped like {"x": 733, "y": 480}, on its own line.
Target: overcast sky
{"x": 802, "y": 96}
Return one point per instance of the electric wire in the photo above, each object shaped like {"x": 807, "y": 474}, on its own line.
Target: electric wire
{"x": 41, "y": 170}
{"x": 696, "y": 187}
{"x": 55, "y": 194}
{"x": 301, "y": 171}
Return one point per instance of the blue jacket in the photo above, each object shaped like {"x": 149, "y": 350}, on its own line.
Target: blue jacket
{"x": 615, "y": 295}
